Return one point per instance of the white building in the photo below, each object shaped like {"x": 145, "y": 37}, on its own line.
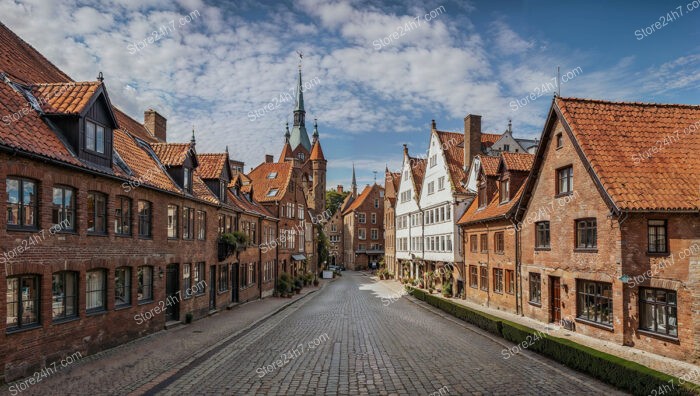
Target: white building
{"x": 409, "y": 232}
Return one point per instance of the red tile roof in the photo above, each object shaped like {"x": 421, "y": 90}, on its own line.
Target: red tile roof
{"x": 454, "y": 155}
{"x": 145, "y": 169}
{"x": 418, "y": 172}
{"x": 493, "y": 211}
{"x": 488, "y": 139}
{"x": 489, "y": 164}
{"x": 171, "y": 154}
{"x": 286, "y": 152}
{"x": 517, "y": 161}
{"x": 242, "y": 202}
{"x": 201, "y": 191}
{"x": 131, "y": 126}
{"x": 262, "y": 184}
{"x": 65, "y": 98}
{"x": 24, "y": 63}
{"x": 316, "y": 152}
{"x": 645, "y": 155}
{"x": 366, "y": 192}
{"x": 211, "y": 166}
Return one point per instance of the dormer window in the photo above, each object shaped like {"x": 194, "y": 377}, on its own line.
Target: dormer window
{"x": 272, "y": 192}
{"x": 94, "y": 137}
{"x": 222, "y": 191}
{"x": 482, "y": 196}
{"x": 186, "y": 180}
{"x": 505, "y": 191}
{"x": 300, "y": 156}
{"x": 272, "y": 175}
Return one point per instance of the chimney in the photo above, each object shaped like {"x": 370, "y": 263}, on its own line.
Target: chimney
{"x": 269, "y": 158}
{"x": 155, "y": 123}
{"x": 472, "y": 138}
{"x": 433, "y": 126}
{"x": 340, "y": 188}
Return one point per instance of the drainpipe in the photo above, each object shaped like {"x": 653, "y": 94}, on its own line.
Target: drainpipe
{"x": 518, "y": 278}
{"x": 259, "y": 239}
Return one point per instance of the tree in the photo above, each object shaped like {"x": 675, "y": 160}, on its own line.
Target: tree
{"x": 323, "y": 246}
{"x": 334, "y": 199}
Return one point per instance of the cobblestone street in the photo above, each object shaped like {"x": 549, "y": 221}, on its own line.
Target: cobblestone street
{"x": 349, "y": 338}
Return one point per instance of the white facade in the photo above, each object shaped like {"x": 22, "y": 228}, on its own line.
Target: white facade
{"x": 441, "y": 208}
{"x": 406, "y": 209}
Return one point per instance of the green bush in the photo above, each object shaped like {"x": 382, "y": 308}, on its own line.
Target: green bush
{"x": 284, "y": 284}
{"x": 616, "y": 371}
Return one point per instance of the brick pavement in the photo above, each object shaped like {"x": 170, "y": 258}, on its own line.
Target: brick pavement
{"x": 657, "y": 362}
{"x": 141, "y": 364}
{"x": 372, "y": 346}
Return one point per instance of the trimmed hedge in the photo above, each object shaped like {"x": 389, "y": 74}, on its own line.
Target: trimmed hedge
{"x": 616, "y": 371}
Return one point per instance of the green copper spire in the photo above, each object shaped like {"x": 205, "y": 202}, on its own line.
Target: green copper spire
{"x": 299, "y": 135}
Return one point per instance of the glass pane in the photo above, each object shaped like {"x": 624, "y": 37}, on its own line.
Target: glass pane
{"x": 672, "y": 321}
{"x": 58, "y": 196}
{"x": 12, "y": 302}
{"x": 59, "y": 296}
{"x": 30, "y": 300}
{"x": 71, "y": 290}
{"x": 12, "y": 189}
{"x": 647, "y": 317}
{"x": 100, "y": 140}
{"x": 90, "y": 136}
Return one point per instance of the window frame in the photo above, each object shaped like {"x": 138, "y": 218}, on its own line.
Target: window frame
{"x": 173, "y": 222}
{"x": 484, "y": 278}
{"x": 474, "y": 243}
{"x": 534, "y": 281}
{"x": 499, "y": 242}
{"x": 64, "y": 300}
{"x": 473, "y": 277}
{"x": 35, "y": 302}
{"x": 560, "y": 176}
{"x": 61, "y": 211}
{"x": 94, "y": 215}
{"x": 97, "y": 126}
{"x": 667, "y": 307}
{"x": 21, "y": 210}
{"x": 119, "y": 218}
{"x": 662, "y": 224}
{"x": 126, "y": 288}
{"x": 187, "y": 223}
{"x": 484, "y": 243}
{"x": 590, "y": 226}
{"x": 201, "y": 225}
{"x": 582, "y": 293}
{"x": 145, "y": 219}
{"x": 102, "y": 293}
{"x": 510, "y": 281}
{"x": 142, "y": 286}
{"x": 539, "y": 244}
{"x": 498, "y": 280}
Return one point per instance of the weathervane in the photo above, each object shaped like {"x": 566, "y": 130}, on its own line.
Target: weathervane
{"x": 301, "y": 56}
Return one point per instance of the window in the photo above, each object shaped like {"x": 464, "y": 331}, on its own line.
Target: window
{"x": 290, "y": 210}
{"x": 23, "y": 299}
{"x": 484, "y": 278}
{"x": 565, "y": 180}
{"x": 187, "y": 223}
{"x": 362, "y": 233}
{"x": 21, "y": 203}
{"x": 586, "y": 234}
{"x": 473, "y": 244}
{"x": 144, "y": 208}
{"x": 96, "y": 290}
{"x": 251, "y": 273}
{"x": 433, "y": 160}
{"x": 172, "y": 221}
{"x": 376, "y": 201}
{"x": 560, "y": 140}
{"x": 542, "y": 235}
{"x": 145, "y": 289}
{"x": 334, "y": 228}
{"x": 63, "y": 208}
{"x": 122, "y": 216}
{"x": 186, "y": 280}
{"x": 97, "y": 213}
{"x": 498, "y": 241}
{"x": 223, "y": 277}
{"x": 374, "y": 234}
{"x": 362, "y": 218}
{"x": 272, "y": 175}
{"x": 498, "y": 280}
{"x": 595, "y": 302}
{"x": 506, "y": 147}
{"x": 473, "y": 277}
{"x": 199, "y": 278}
{"x": 484, "y": 243}
{"x": 483, "y": 201}
{"x": 186, "y": 181}
{"x": 510, "y": 281}
{"x": 272, "y": 192}
{"x": 657, "y": 236}
{"x": 535, "y": 288}
{"x": 122, "y": 286}
{"x": 658, "y": 311}
{"x": 505, "y": 191}
{"x": 441, "y": 183}
{"x": 201, "y": 225}
{"x": 64, "y": 302}
{"x": 373, "y": 218}
{"x": 431, "y": 188}
{"x": 301, "y": 212}
{"x": 94, "y": 137}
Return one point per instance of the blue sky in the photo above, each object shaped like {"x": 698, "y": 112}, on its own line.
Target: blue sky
{"x": 231, "y": 58}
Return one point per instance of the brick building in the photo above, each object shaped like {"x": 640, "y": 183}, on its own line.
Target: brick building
{"x": 363, "y": 225}
{"x": 110, "y": 231}
{"x": 610, "y": 225}
{"x": 489, "y": 232}
{"x": 334, "y": 230}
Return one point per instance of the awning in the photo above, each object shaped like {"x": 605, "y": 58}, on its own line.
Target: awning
{"x": 298, "y": 257}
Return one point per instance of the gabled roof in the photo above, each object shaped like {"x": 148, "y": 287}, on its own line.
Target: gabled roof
{"x": 521, "y": 162}
{"x": 201, "y": 191}
{"x": 242, "y": 202}
{"x": 286, "y": 152}
{"x": 493, "y": 211}
{"x": 211, "y": 165}
{"x": 642, "y": 156}
{"x": 454, "y": 156}
{"x": 144, "y": 167}
{"x": 316, "y": 152}
{"x": 366, "y": 192}
{"x": 262, "y": 182}
{"x": 489, "y": 164}
{"x": 24, "y": 62}
{"x": 346, "y": 203}
{"x": 489, "y": 139}
{"x": 65, "y": 98}
{"x": 171, "y": 154}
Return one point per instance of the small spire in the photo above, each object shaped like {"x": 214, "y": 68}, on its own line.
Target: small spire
{"x": 354, "y": 182}
{"x": 510, "y": 126}
{"x": 227, "y": 149}
{"x": 100, "y": 77}
{"x": 433, "y": 126}
{"x": 315, "y": 135}
{"x": 192, "y": 140}
{"x": 286, "y": 133}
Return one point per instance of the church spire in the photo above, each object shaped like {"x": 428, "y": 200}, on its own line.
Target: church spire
{"x": 299, "y": 136}
{"x": 315, "y": 134}
{"x": 354, "y": 182}
{"x": 299, "y": 112}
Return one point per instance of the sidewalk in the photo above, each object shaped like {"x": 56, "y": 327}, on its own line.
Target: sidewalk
{"x": 660, "y": 363}
{"x": 139, "y": 365}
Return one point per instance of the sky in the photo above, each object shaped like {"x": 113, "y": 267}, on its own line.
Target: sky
{"x": 376, "y": 73}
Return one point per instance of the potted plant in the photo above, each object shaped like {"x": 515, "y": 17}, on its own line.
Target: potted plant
{"x": 447, "y": 290}
{"x": 298, "y": 284}
{"x": 316, "y": 282}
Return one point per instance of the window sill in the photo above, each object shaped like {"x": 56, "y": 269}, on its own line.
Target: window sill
{"x": 221, "y": 292}
{"x": 536, "y": 304}
{"x": 595, "y": 324}
{"x": 146, "y": 237}
{"x": 99, "y": 312}
{"x": 122, "y": 307}
{"x": 543, "y": 249}
{"x": 473, "y": 287}
{"x": 21, "y": 229}
{"x": 173, "y": 239}
{"x": 65, "y": 320}
{"x": 658, "y": 254}
{"x": 123, "y": 235}
{"x": 97, "y": 234}
{"x": 144, "y": 302}
{"x": 586, "y": 250}
{"x": 564, "y": 194}
{"x": 659, "y": 336}
{"x": 15, "y": 330}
